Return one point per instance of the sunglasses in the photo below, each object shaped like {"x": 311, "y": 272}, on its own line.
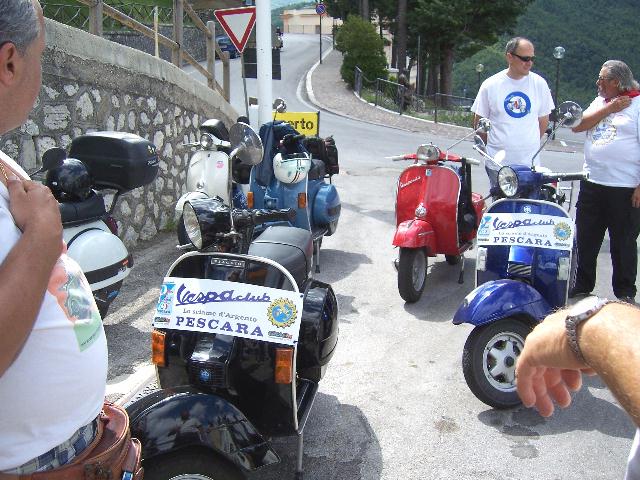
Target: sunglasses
{"x": 523, "y": 58}
{"x": 602, "y": 79}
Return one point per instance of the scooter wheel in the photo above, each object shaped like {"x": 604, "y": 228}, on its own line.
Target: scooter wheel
{"x": 412, "y": 273}
{"x": 190, "y": 465}
{"x": 489, "y": 361}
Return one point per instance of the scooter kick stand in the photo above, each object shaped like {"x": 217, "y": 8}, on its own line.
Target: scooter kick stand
{"x": 316, "y": 254}
{"x": 461, "y": 277}
{"x": 299, "y": 471}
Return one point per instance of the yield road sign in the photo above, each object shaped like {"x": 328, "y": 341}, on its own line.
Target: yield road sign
{"x": 237, "y": 24}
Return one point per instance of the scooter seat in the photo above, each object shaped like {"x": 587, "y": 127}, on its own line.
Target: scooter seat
{"x": 79, "y": 212}
{"x": 317, "y": 170}
{"x": 291, "y": 247}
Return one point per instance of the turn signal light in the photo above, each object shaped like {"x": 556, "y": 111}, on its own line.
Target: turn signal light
{"x": 250, "y": 199}
{"x": 157, "y": 348}
{"x": 302, "y": 200}
{"x": 284, "y": 365}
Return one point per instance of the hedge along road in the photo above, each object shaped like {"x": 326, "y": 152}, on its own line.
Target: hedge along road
{"x": 394, "y": 404}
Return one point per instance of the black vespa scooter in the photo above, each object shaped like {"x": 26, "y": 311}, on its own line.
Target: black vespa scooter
{"x": 223, "y": 395}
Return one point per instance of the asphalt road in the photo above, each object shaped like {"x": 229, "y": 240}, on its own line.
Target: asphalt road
{"x": 394, "y": 403}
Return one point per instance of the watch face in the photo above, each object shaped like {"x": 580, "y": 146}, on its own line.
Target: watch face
{"x": 587, "y": 305}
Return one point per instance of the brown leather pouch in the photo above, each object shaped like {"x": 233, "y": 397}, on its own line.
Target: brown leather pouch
{"x": 113, "y": 454}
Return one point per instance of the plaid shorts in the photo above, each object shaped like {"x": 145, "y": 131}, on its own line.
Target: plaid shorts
{"x": 62, "y": 454}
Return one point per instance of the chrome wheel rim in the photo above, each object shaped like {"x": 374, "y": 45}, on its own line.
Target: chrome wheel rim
{"x": 499, "y": 360}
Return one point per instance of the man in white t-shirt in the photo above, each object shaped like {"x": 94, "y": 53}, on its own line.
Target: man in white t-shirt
{"x": 53, "y": 351}
{"x": 517, "y": 101}
{"x": 610, "y": 199}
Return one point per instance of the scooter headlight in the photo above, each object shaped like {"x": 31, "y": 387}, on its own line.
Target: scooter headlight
{"x": 191, "y": 225}
{"x": 508, "y": 181}
{"x": 206, "y": 141}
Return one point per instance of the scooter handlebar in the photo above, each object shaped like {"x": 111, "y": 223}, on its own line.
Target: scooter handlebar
{"x": 567, "y": 177}
{"x": 244, "y": 218}
{"x": 398, "y": 158}
{"x": 472, "y": 161}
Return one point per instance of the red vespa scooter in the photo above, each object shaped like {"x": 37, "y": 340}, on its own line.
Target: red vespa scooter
{"x": 436, "y": 213}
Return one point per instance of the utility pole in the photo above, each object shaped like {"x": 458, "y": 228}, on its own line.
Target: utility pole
{"x": 264, "y": 60}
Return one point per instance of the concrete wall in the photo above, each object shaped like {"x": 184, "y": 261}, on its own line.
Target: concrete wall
{"x": 89, "y": 84}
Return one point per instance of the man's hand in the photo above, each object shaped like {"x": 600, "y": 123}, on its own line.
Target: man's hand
{"x": 635, "y": 198}
{"x": 36, "y": 211}
{"x": 547, "y": 369}
{"x": 618, "y": 103}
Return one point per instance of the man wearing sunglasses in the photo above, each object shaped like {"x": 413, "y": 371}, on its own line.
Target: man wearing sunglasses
{"x": 518, "y": 103}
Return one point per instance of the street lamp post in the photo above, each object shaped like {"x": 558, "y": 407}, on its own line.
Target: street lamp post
{"x": 479, "y": 69}
{"x": 558, "y": 54}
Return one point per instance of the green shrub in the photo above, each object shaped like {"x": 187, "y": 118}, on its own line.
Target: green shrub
{"x": 362, "y": 47}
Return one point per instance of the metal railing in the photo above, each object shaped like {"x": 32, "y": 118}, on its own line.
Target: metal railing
{"x": 394, "y": 96}
{"x": 95, "y": 15}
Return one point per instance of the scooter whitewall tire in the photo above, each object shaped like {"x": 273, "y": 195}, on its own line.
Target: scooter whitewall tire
{"x": 489, "y": 361}
{"x": 190, "y": 465}
{"x": 412, "y": 273}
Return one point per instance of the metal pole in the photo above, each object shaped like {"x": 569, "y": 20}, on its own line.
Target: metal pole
{"x": 418, "y": 73}
{"x": 264, "y": 59}
{"x": 555, "y": 101}
{"x": 155, "y": 31}
{"x": 244, "y": 85}
{"x": 320, "y": 37}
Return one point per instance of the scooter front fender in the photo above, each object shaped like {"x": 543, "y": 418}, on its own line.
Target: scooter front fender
{"x": 170, "y": 420}
{"x": 186, "y": 197}
{"x": 493, "y": 301}
{"x": 415, "y": 234}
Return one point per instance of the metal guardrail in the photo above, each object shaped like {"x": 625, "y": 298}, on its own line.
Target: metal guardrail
{"x": 401, "y": 98}
{"x": 95, "y": 15}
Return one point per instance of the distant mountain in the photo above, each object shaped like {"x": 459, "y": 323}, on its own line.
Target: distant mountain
{"x": 282, "y": 3}
{"x": 591, "y": 31}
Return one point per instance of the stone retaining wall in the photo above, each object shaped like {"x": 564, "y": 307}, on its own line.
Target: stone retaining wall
{"x": 90, "y": 84}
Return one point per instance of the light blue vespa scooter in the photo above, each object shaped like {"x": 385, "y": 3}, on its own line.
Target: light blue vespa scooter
{"x": 291, "y": 177}
{"x": 523, "y": 271}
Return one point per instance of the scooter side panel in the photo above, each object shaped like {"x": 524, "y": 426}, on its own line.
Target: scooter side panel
{"x": 169, "y": 420}
{"x": 416, "y": 234}
{"x": 501, "y": 299}
{"x": 326, "y": 206}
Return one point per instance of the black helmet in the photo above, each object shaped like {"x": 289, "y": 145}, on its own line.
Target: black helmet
{"x": 70, "y": 181}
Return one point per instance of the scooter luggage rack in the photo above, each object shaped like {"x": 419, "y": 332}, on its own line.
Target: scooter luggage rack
{"x": 299, "y": 423}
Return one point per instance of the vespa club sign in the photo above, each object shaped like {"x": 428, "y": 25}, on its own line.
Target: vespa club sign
{"x": 527, "y": 230}
{"x": 229, "y": 308}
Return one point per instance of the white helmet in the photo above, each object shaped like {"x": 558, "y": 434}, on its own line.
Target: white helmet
{"x": 291, "y": 168}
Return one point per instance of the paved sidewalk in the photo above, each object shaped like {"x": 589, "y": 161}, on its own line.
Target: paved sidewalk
{"x": 328, "y": 91}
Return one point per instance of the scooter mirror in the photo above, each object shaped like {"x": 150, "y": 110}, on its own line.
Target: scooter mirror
{"x": 51, "y": 159}
{"x": 428, "y": 152}
{"x": 246, "y": 144}
{"x": 279, "y": 105}
{"x": 484, "y": 125}
{"x": 569, "y": 114}
{"x": 479, "y": 142}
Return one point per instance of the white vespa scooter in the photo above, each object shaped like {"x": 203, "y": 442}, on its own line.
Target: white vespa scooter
{"x": 214, "y": 169}
{"x": 98, "y": 160}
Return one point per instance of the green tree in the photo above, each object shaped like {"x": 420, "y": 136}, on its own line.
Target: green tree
{"x": 362, "y": 47}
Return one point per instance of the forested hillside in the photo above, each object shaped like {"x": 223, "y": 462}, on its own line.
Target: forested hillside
{"x": 591, "y": 31}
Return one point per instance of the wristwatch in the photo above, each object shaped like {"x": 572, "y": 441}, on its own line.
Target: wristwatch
{"x": 578, "y": 313}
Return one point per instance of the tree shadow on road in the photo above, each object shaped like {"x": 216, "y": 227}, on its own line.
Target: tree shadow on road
{"x": 339, "y": 444}
{"x": 336, "y": 265}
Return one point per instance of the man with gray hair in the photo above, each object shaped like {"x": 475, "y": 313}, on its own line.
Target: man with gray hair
{"x": 53, "y": 350}
{"x": 610, "y": 198}
{"x": 518, "y": 103}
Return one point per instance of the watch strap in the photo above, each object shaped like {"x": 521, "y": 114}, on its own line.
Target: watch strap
{"x": 573, "y": 320}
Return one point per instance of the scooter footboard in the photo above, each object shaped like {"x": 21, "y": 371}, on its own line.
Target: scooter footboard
{"x": 169, "y": 420}
{"x": 500, "y": 299}
{"x": 415, "y": 234}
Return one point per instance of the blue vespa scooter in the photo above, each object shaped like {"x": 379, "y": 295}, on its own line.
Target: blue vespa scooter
{"x": 293, "y": 174}
{"x": 523, "y": 271}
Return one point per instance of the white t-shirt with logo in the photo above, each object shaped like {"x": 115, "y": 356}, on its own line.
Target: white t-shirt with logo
{"x": 514, "y": 106}
{"x": 612, "y": 147}
{"x": 56, "y": 384}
